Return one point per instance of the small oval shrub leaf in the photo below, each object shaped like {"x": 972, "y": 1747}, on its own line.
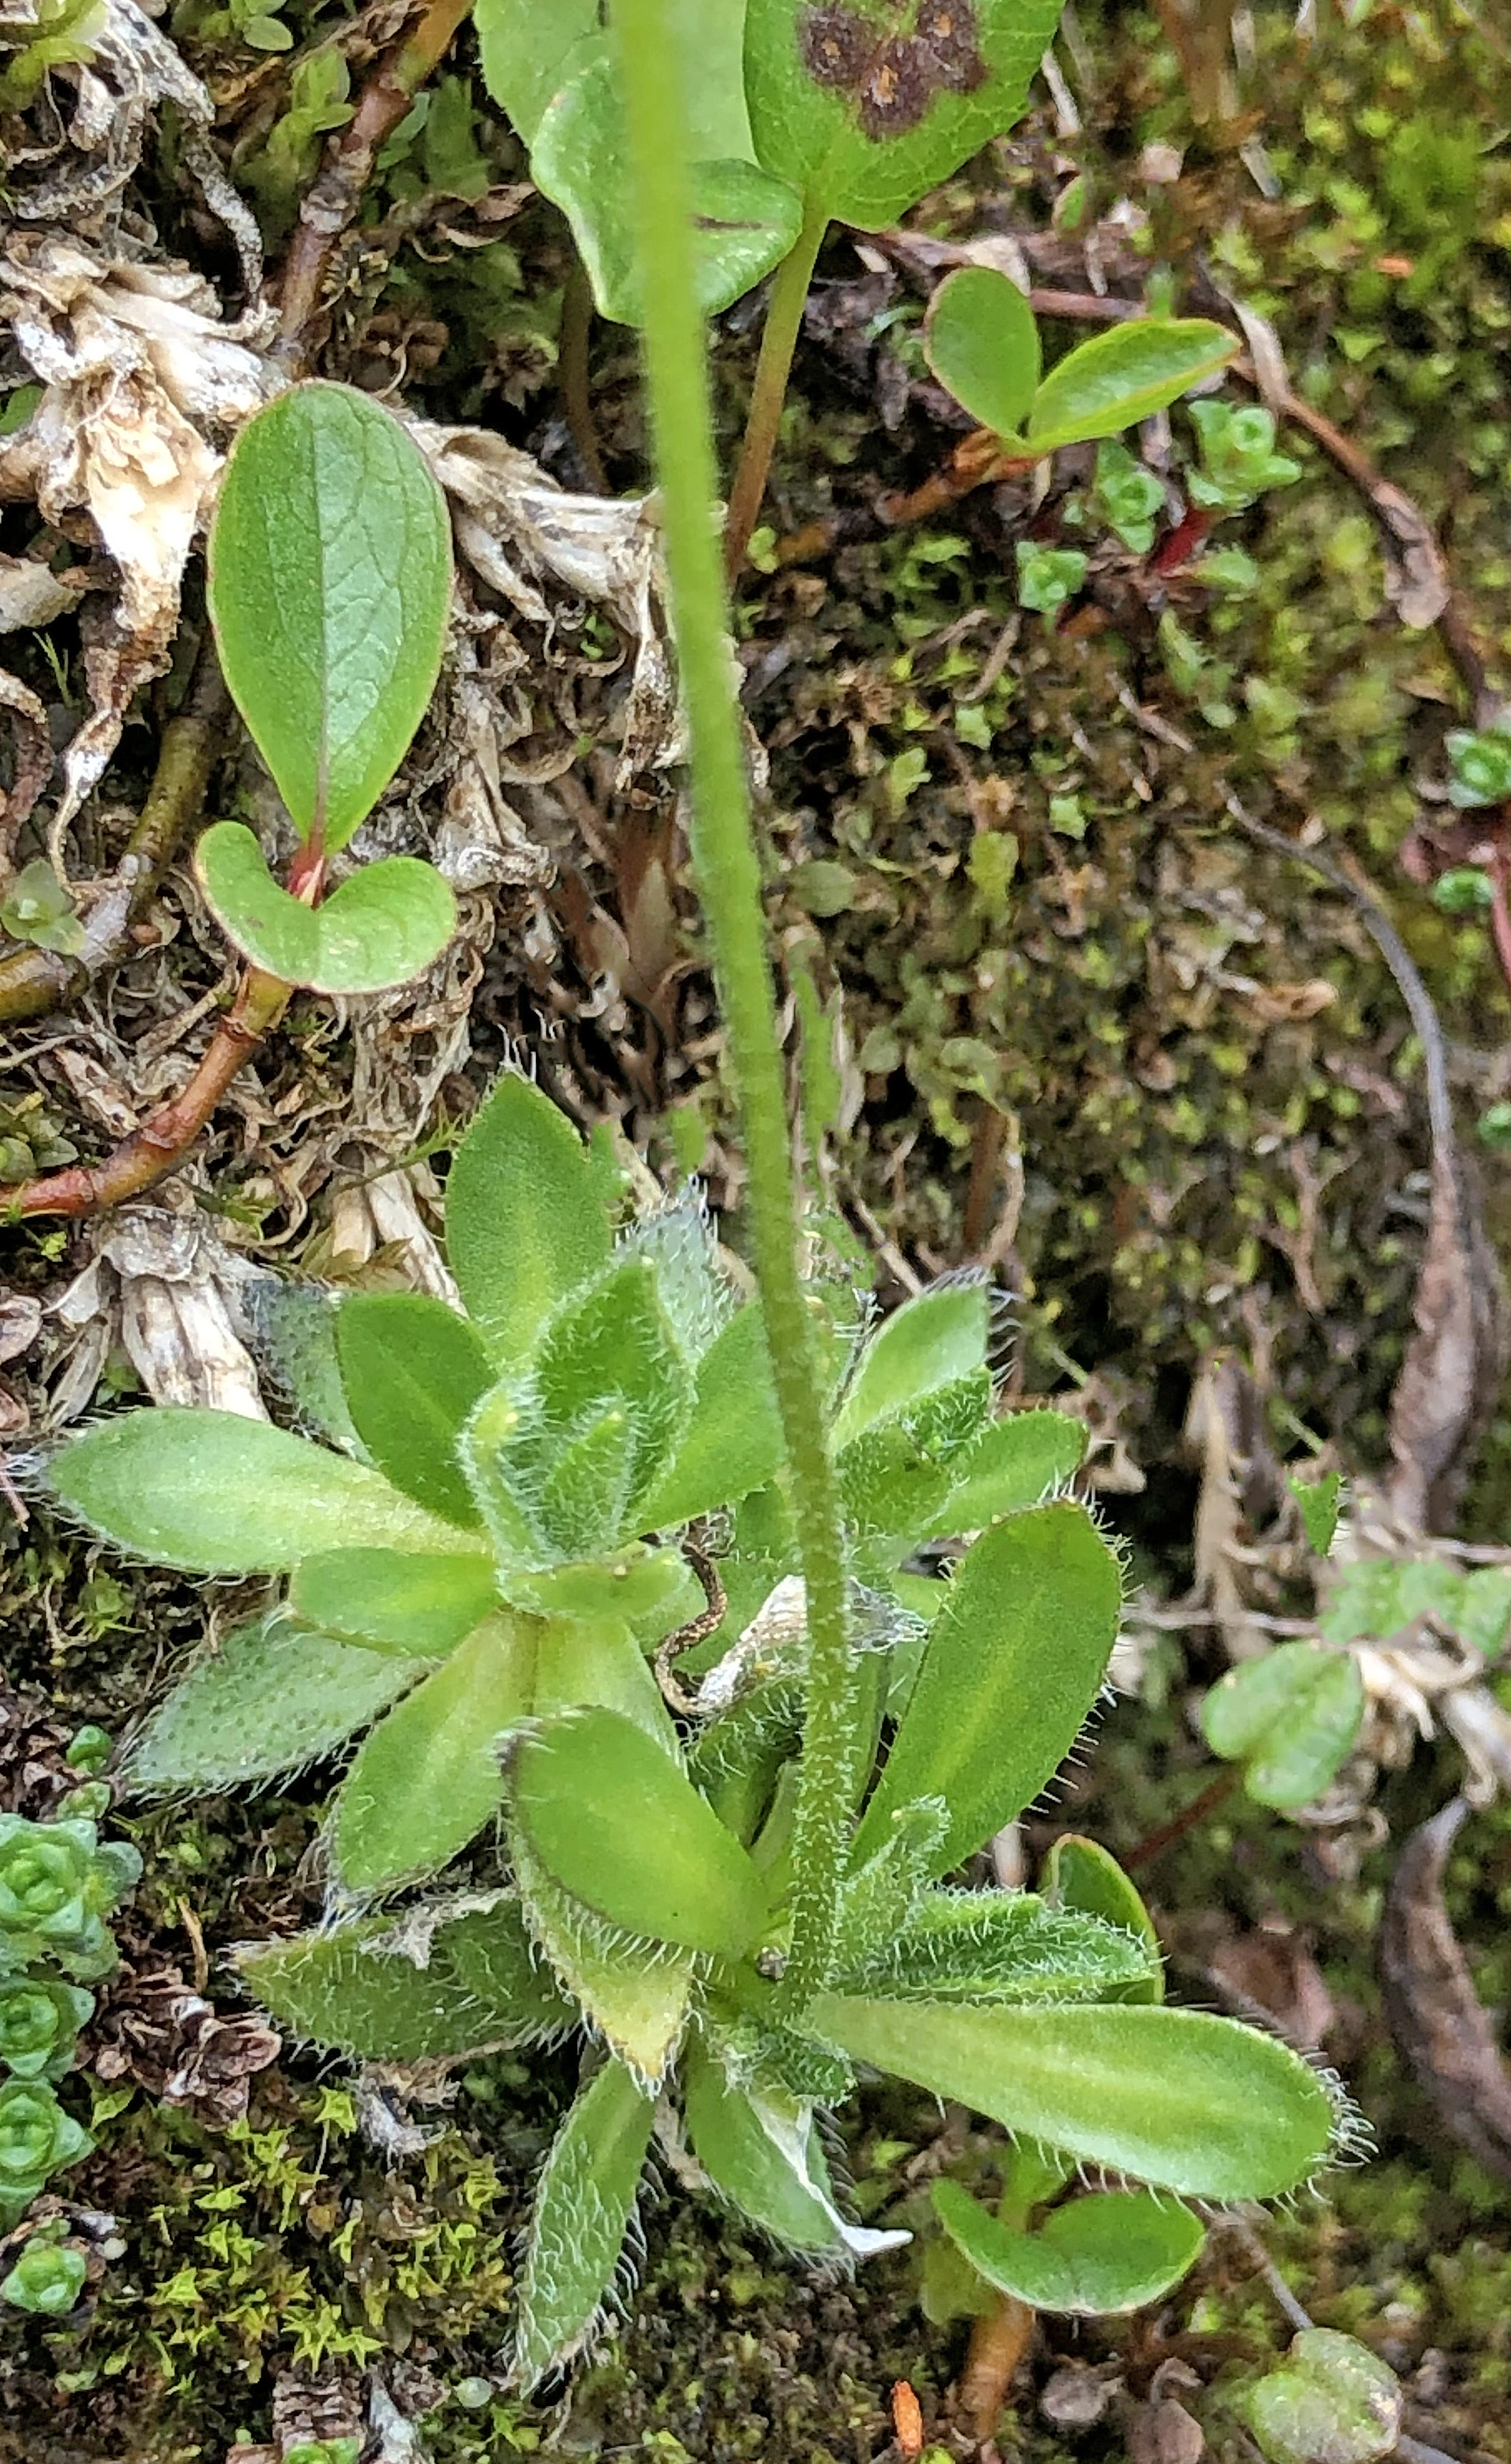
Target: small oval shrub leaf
{"x": 981, "y": 341}
{"x": 1113, "y": 2251}
{"x": 1120, "y": 377}
{"x": 330, "y": 584}
{"x": 384, "y": 925}
{"x": 1290, "y": 1718}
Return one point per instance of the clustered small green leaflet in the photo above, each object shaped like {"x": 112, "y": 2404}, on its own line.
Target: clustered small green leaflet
{"x": 59, "y": 1884}
{"x": 481, "y": 1560}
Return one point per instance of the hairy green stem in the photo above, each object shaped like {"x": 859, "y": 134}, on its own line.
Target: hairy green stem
{"x": 728, "y": 869}
{"x": 778, "y": 343}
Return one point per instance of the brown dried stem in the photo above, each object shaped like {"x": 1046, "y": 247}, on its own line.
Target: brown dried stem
{"x": 331, "y": 203}
{"x": 999, "y": 2342}
{"x": 34, "y": 980}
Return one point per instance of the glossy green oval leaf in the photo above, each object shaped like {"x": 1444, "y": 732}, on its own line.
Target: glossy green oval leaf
{"x": 862, "y": 119}
{"x": 1123, "y": 375}
{"x": 618, "y": 1824}
{"x": 583, "y": 2204}
{"x": 1290, "y": 1718}
{"x": 422, "y": 1990}
{"x": 554, "y": 71}
{"x": 1112, "y": 2252}
{"x": 525, "y": 1220}
{"x": 412, "y": 1370}
{"x": 1179, "y": 2099}
{"x": 1082, "y": 1877}
{"x": 427, "y": 1778}
{"x": 1012, "y": 1465}
{"x": 330, "y": 585}
{"x": 384, "y": 925}
{"x": 981, "y": 341}
{"x": 268, "y": 1699}
{"x": 732, "y": 1441}
{"x": 393, "y": 1600}
{"x": 934, "y": 1340}
{"x": 1012, "y": 1665}
{"x": 216, "y": 1493}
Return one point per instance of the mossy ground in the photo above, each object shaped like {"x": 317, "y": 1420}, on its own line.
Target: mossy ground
{"x": 1021, "y": 903}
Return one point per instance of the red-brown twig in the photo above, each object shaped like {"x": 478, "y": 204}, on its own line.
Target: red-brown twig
{"x": 332, "y": 201}
{"x": 142, "y": 1159}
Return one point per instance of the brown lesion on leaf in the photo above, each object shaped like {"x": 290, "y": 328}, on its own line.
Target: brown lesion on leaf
{"x": 892, "y": 73}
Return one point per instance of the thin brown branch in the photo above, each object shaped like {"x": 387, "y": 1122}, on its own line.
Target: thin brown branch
{"x": 34, "y": 980}
{"x": 330, "y": 204}
{"x": 151, "y": 1151}
{"x": 571, "y": 374}
{"x": 1215, "y": 1793}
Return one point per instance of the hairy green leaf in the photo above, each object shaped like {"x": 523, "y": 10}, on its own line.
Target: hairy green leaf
{"x": 616, "y": 1824}
{"x": 648, "y": 1590}
{"x": 1290, "y": 1718}
{"x": 216, "y": 1493}
{"x": 1319, "y": 1501}
{"x": 427, "y": 1778}
{"x": 1011, "y": 1668}
{"x": 931, "y": 1342}
{"x": 865, "y": 120}
{"x": 981, "y": 341}
{"x": 384, "y": 925}
{"x": 583, "y": 2204}
{"x": 330, "y": 584}
{"x": 412, "y": 1370}
{"x": 635, "y": 1994}
{"x": 428, "y": 1987}
{"x": 392, "y": 1599}
{"x": 760, "y": 2148}
{"x": 1178, "y": 2099}
{"x": 1112, "y": 2252}
{"x": 1080, "y": 1877}
{"x": 1121, "y": 376}
{"x": 1012, "y": 1465}
{"x": 732, "y": 1441}
{"x": 269, "y": 1698}
{"x": 525, "y": 1222}
{"x": 1002, "y": 1947}
{"x": 597, "y": 1661}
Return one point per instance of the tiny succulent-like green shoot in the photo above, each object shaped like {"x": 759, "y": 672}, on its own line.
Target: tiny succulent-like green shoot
{"x": 47, "y": 2278}
{"x": 1481, "y": 765}
{"x": 1047, "y": 576}
{"x": 1239, "y": 461}
{"x": 1319, "y": 1502}
{"x": 36, "y": 2138}
{"x": 40, "y": 2018}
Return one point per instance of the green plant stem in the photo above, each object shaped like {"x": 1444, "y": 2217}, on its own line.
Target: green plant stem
{"x": 778, "y": 343}
{"x": 727, "y": 871}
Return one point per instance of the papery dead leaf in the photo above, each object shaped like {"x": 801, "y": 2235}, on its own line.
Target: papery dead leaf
{"x": 1451, "y": 1375}
{"x": 168, "y": 1288}
{"x": 1439, "y": 2026}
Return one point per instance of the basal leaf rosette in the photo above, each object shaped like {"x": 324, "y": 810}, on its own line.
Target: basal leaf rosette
{"x": 36, "y": 2138}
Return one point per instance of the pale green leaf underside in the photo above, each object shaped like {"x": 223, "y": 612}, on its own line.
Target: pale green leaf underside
{"x": 1179, "y": 2099}
{"x": 1112, "y": 2252}
{"x": 384, "y": 925}
{"x": 216, "y": 1493}
{"x": 271, "y": 1698}
{"x": 981, "y": 341}
{"x": 330, "y": 583}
